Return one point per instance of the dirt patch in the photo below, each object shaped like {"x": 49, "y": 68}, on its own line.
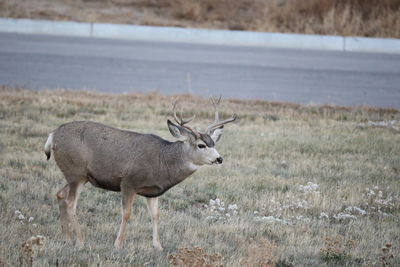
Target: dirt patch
{"x": 371, "y": 18}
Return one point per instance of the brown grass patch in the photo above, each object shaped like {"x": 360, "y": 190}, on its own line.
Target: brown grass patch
{"x": 336, "y": 250}
{"x": 195, "y": 257}
{"x": 27, "y": 249}
{"x": 261, "y": 255}
{"x": 387, "y": 255}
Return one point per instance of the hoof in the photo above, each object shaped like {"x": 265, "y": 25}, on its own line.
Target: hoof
{"x": 158, "y": 247}
{"x": 118, "y": 245}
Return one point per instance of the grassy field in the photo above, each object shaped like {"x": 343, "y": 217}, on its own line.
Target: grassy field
{"x": 302, "y": 185}
{"x": 376, "y": 18}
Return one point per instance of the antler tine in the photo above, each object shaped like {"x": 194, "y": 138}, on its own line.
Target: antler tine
{"x": 216, "y": 122}
{"x": 180, "y": 120}
{"x": 216, "y": 104}
{"x": 216, "y": 125}
{"x": 174, "y": 110}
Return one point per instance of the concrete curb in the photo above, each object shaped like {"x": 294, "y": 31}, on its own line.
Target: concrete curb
{"x": 202, "y": 36}
{"x": 217, "y": 37}
{"x": 377, "y": 45}
{"x": 45, "y": 27}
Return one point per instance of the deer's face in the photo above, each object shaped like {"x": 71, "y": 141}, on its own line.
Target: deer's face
{"x": 200, "y": 147}
{"x": 204, "y": 151}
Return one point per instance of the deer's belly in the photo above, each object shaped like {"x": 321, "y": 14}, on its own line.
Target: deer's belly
{"x": 113, "y": 184}
{"x": 152, "y": 191}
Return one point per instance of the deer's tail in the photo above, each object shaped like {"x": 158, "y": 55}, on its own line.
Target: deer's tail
{"x": 48, "y": 146}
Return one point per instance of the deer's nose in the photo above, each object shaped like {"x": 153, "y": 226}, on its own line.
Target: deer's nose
{"x": 219, "y": 160}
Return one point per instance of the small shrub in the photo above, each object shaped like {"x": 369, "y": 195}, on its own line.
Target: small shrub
{"x": 27, "y": 249}
{"x": 387, "y": 255}
{"x": 335, "y": 250}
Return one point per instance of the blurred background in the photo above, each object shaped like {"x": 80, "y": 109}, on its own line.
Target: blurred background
{"x": 372, "y": 18}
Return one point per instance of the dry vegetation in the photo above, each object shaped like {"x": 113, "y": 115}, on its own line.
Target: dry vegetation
{"x": 377, "y": 18}
{"x": 300, "y": 186}
{"x": 27, "y": 249}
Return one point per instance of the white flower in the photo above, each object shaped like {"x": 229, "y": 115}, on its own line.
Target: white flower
{"x": 343, "y": 216}
{"x": 355, "y": 210}
{"x": 232, "y": 207}
{"x": 228, "y": 215}
{"x": 324, "y": 215}
{"x": 30, "y": 219}
{"x": 270, "y": 219}
{"x": 309, "y": 188}
{"x": 212, "y": 202}
{"x": 17, "y": 212}
{"x": 221, "y": 209}
{"x": 218, "y": 202}
{"x": 21, "y": 217}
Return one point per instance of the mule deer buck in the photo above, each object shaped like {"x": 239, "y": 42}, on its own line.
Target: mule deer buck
{"x": 130, "y": 162}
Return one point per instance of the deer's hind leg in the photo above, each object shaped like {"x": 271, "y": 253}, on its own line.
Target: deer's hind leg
{"x": 64, "y": 217}
{"x": 72, "y": 199}
{"x": 67, "y": 200}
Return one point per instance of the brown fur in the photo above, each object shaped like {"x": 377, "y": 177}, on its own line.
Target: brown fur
{"x": 121, "y": 160}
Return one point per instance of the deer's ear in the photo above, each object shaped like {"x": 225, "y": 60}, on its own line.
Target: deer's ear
{"x": 216, "y": 133}
{"x": 179, "y": 132}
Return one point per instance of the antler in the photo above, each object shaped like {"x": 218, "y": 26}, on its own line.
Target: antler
{"x": 217, "y": 122}
{"x": 181, "y": 121}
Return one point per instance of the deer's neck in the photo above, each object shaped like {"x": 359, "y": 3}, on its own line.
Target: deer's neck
{"x": 176, "y": 161}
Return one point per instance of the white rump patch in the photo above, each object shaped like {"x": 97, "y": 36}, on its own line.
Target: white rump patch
{"x": 49, "y": 143}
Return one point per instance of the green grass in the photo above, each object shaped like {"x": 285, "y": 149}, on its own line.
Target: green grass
{"x": 268, "y": 153}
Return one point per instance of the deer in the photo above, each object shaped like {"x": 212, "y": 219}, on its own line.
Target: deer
{"x": 128, "y": 162}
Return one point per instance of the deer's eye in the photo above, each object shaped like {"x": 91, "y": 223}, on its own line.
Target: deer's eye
{"x": 201, "y": 146}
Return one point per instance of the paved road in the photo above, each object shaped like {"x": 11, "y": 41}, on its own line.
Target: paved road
{"x": 300, "y": 76}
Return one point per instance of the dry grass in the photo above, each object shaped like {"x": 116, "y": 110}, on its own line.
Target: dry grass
{"x": 27, "y": 249}
{"x": 195, "y": 257}
{"x": 375, "y": 18}
{"x": 370, "y": 18}
{"x": 335, "y": 250}
{"x": 261, "y": 255}
{"x": 387, "y": 255}
{"x": 297, "y": 174}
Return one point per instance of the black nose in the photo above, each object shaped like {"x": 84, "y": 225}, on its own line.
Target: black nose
{"x": 219, "y": 160}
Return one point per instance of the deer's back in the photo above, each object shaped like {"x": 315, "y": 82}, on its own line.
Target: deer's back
{"x": 110, "y": 158}
{"x": 95, "y": 151}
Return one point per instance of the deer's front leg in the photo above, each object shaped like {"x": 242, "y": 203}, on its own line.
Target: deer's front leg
{"x": 126, "y": 210}
{"x": 152, "y": 204}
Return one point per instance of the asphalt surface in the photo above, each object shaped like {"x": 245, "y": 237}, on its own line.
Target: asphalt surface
{"x": 299, "y": 76}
